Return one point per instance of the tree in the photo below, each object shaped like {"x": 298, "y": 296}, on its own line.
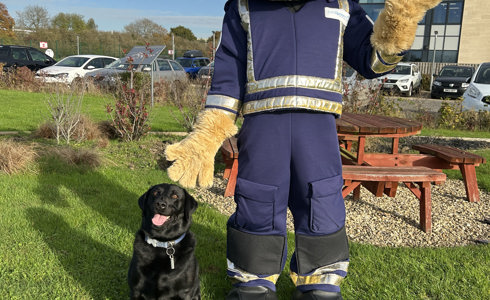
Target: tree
{"x": 33, "y": 17}
{"x": 91, "y": 24}
{"x": 183, "y": 32}
{"x": 6, "y": 22}
{"x": 73, "y": 22}
{"x": 145, "y": 28}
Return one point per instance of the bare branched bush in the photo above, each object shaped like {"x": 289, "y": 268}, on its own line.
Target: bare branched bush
{"x": 187, "y": 99}
{"x": 15, "y": 156}
{"x": 65, "y": 110}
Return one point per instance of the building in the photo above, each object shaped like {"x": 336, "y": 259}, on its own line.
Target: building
{"x": 459, "y": 29}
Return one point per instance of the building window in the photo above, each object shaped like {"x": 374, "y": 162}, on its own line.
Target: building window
{"x": 455, "y": 13}
{"x": 445, "y": 18}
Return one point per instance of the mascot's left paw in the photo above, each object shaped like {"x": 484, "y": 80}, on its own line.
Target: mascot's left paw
{"x": 394, "y": 30}
{"x": 193, "y": 157}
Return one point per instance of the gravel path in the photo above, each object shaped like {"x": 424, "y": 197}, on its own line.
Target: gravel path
{"x": 394, "y": 222}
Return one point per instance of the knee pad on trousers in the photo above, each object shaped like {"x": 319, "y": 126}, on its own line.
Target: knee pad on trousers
{"x": 256, "y": 254}
{"x": 313, "y": 252}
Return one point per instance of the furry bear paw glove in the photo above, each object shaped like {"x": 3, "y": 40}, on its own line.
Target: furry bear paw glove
{"x": 194, "y": 156}
{"x": 394, "y": 30}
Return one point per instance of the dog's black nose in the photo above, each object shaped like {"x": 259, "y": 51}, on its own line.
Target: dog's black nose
{"x": 161, "y": 204}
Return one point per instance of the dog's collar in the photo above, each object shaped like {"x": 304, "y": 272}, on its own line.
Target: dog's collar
{"x": 157, "y": 243}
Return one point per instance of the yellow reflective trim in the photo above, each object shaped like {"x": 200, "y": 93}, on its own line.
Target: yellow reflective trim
{"x": 244, "y": 276}
{"x": 322, "y": 275}
{"x": 344, "y": 4}
{"x": 390, "y": 59}
{"x": 379, "y": 67}
{"x": 224, "y": 101}
{"x": 331, "y": 279}
{"x": 297, "y": 81}
{"x": 292, "y": 102}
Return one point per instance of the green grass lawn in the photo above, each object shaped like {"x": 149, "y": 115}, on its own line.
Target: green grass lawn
{"x": 67, "y": 233}
{"x": 25, "y": 111}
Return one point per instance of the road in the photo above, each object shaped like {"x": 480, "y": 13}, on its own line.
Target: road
{"x": 423, "y": 102}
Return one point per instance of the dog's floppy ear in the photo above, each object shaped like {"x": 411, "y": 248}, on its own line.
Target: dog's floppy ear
{"x": 142, "y": 199}
{"x": 189, "y": 206}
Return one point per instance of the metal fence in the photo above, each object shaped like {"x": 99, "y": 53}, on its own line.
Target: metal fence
{"x": 426, "y": 67}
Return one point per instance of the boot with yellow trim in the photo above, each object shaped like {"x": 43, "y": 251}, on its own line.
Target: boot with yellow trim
{"x": 251, "y": 293}
{"x": 319, "y": 265}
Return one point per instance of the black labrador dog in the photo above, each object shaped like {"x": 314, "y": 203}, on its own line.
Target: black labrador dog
{"x": 164, "y": 265}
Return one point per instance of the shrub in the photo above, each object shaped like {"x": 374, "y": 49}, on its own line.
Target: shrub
{"x": 188, "y": 100}
{"x": 449, "y": 115}
{"x": 14, "y": 156}
{"x": 426, "y": 82}
{"x": 79, "y": 157}
{"x": 129, "y": 115}
{"x": 65, "y": 115}
{"x": 366, "y": 97}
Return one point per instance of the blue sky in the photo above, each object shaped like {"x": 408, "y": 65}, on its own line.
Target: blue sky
{"x": 201, "y": 16}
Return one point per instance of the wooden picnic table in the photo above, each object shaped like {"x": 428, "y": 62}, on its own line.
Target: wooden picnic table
{"x": 358, "y": 127}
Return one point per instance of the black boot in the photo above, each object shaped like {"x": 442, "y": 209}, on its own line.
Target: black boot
{"x": 316, "y": 295}
{"x": 251, "y": 293}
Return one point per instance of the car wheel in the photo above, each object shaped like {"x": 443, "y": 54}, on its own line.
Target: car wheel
{"x": 410, "y": 91}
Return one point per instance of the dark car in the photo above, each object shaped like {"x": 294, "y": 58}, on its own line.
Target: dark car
{"x": 193, "y": 61}
{"x": 451, "y": 82}
{"x": 21, "y": 56}
{"x": 206, "y": 72}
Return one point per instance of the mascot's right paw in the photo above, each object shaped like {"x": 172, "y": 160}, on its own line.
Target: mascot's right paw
{"x": 193, "y": 157}
{"x": 395, "y": 27}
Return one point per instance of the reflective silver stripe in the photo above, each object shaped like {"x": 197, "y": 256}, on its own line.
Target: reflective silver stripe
{"x": 223, "y": 101}
{"x": 244, "y": 276}
{"x": 244, "y": 14}
{"x": 292, "y": 102}
{"x": 343, "y": 4}
{"x": 390, "y": 61}
{"x": 297, "y": 81}
{"x": 322, "y": 275}
{"x": 245, "y": 18}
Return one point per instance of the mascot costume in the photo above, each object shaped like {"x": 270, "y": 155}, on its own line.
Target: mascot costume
{"x": 279, "y": 63}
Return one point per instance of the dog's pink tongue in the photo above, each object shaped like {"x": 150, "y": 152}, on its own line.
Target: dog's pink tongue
{"x": 158, "y": 220}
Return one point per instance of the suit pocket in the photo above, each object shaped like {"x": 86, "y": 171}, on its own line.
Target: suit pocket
{"x": 255, "y": 205}
{"x": 327, "y": 209}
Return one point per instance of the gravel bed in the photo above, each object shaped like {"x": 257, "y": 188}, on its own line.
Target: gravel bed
{"x": 394, "y": 222}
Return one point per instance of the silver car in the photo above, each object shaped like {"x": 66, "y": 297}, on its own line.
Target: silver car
{"x": 163, "y": 70}
{"x": 477, "y": 95}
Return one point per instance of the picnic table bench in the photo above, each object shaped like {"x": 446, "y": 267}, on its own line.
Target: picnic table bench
{"x": 229, "y": 152}
{"x": 417, "y": 179}
{"x": 457, "y": 158}
{"x": 378, "y": 180}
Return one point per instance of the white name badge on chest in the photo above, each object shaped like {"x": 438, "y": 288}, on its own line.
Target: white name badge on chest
{"x": 337, "y": 14}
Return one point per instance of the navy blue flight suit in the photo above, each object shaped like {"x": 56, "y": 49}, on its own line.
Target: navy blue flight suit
{"x": 282, "y": 69}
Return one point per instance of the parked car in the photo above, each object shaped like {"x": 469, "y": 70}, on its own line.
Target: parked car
{"x": 12, "y": 56}
{"x": 477, "y": 95}
{"x": 164, "y": 69}
{"x": 72, "y": 67}
{"x": 405, "y": 78}
{"x": 193, "y": 61}
{"x": 206, "y": 72}
{"x": 451, "y": 82}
